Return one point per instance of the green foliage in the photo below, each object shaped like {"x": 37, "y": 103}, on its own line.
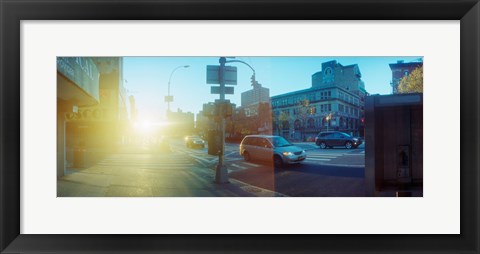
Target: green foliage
{"x": 412, "y": 83}
{"x": 279, "y": 120}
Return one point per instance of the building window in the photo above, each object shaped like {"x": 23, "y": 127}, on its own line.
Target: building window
{"x": 340, "y": 108}
{"x": 311, "y": 123}
{"x": 297, "y": 124}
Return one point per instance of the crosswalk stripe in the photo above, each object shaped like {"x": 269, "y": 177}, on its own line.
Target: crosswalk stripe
{"x": 237, "y": 166}
{"x": 321, "y": 156}
{"x": 140, "y": 163}
{"x": 316, "y": 159}
{"x": 143, "y": 165}
{"x": 150, "y": 167}
{"x": 251, "y": 164}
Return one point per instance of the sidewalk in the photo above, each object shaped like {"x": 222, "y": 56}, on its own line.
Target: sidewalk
{"x": 121, "y": 181}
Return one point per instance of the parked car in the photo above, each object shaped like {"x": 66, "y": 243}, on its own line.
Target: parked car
{"x": 329, "y": 139}
{"x": 194, "y": 141}
{"x": 271, "y": 148}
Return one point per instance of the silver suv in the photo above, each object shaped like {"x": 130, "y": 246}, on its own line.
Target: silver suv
{"x": 268, "y": 148}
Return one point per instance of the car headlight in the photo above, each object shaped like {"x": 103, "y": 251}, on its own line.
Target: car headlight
{"x": 287, "y": 153}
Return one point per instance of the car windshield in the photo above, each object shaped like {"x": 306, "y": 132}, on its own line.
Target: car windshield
{"x": 279, "y": 142}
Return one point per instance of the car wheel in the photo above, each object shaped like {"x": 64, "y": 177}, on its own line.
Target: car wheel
{"x": 277, "y": 161}
{"x": 348, "y": 145}
{"x": 323, "y": 145}
{"x": 246, "y": 156}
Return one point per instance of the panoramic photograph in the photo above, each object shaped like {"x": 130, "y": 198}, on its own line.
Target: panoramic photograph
{"x": 240, "y": 126}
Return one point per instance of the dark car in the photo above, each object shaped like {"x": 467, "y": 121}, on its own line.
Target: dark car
{"x": 329, "y": 139}
{"x": 194, "y": 141}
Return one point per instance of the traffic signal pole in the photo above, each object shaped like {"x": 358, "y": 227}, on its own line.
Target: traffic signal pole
{"x": 221, "y": 173}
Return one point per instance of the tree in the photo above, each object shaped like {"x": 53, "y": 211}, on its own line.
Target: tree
{"x": 265, "y": 116}
{"x": 412, "y": 83}
{"x": 303, "y": 113}
{"x": 279, "y": 120}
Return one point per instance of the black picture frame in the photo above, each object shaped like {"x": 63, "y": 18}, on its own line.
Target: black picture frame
{"x": 12, "y": 12}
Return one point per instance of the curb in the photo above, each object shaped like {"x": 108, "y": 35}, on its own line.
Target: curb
{"x": 257, "y": 191}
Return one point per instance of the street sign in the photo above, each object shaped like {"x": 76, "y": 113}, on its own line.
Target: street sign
{"x": 212, "y": 74}
{"x": 230, "y": 75}
{"x": 169, "y": 98}
{"x": 216, "y": 90}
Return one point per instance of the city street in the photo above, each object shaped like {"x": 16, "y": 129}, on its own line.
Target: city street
{"x": 326, "y": 172}
{"x": 146, "y": 171}
{"x": 152, "y": 170}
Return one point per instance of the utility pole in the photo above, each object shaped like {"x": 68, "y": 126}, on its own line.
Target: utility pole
{"x": 223, "y": 75}
{"x": 221, "y": 173}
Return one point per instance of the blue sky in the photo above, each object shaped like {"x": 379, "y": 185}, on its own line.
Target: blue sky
{"x": 147, "y": 78}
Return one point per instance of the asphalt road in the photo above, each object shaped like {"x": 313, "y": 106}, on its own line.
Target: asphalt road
{"x": 335, "y": 172}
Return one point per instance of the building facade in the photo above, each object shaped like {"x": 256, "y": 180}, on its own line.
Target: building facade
{"x": 252, "y": 98}
{"x": 78, "y": 81}
{"x": 97, "y": 129}
{"x": 400, "y": 70}
{"x": 180, "y": 123}
{"x": 335, "y": 101}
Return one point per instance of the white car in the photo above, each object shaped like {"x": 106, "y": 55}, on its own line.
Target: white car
{"x": 271, "y": 148}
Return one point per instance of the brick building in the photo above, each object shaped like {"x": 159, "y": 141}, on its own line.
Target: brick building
{"x": 400, "y": 70}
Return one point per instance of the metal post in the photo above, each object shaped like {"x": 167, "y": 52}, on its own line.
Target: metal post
{"x": 169, "y": 81}
{"x": 221, "y": 173}
{"x": 168, "y": 94}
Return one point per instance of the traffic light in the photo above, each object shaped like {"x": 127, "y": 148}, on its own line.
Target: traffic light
{"x": 214, "y": 142}
{"x": 228, "y": 110}
{"x": 224, "y": 109}
{"x": 254, "y": 82}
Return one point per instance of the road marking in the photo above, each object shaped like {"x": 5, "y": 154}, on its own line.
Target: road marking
{"x": 238, "y": 166}
{"x": 251, "y": 164}
{"x": 321, "y": 156}
{"x": 230, "y": 153}
{"x": 202, "y": 159}
{"x": 317, "y": 159}
{"x": 143, "y": 164}
{"x": 233, "y": 159}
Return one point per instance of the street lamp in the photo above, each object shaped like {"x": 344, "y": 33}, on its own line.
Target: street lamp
{"x": 169, "y": 98}
{"x": 329, "y": 116}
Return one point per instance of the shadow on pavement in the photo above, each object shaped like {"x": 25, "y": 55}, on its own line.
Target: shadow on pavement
{"x": 327, "y": 170}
